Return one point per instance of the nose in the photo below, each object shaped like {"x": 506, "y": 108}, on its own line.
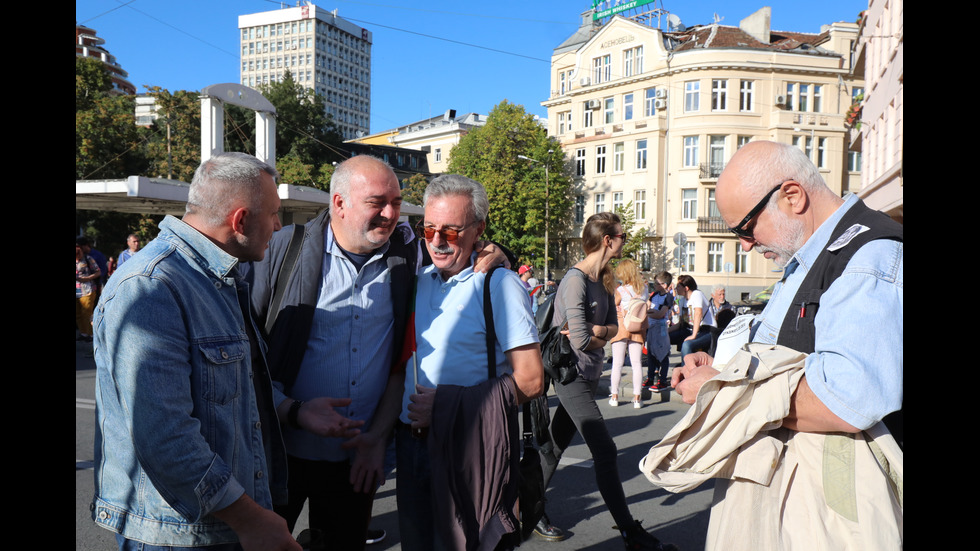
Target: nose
{"x": 747, "y": 244}
{"x": 278, "y": 225}
{"x": 390, "y": 212}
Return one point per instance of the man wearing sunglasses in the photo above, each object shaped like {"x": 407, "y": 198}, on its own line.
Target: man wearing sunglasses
{"x": 453, "y": 380}
{"x": 334, "y": 343}
{"x": 841, "y": 298}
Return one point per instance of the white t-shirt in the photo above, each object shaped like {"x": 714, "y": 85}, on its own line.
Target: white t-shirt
{"x": 698, "y": 300}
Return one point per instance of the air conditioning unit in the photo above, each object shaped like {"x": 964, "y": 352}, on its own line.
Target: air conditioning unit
{"x": 661, "y": 93}
{"x": 660, "y": 104}
{"x": 584, "y": 81}
{"x": 780, "y": 99}
{"x": 592, "y": 104}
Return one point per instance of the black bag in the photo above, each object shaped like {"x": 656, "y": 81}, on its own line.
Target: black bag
{"x": 556, "y": 350}
{"x": 531, "y": 489}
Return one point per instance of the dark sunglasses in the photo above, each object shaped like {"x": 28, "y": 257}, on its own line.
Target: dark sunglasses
{"x": 448, "y": 234}
{"x": 740, "y": 229}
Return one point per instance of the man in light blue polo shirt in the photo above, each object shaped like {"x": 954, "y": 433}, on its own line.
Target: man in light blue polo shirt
{"x": 451, "y": 342}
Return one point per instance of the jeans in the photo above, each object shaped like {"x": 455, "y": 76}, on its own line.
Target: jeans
{"x": 336, "y": 509}
{"x": 578, "y": 411}
{"x": 700, "y": 343}
{"x": 657, "y": 368}
{"x": 133, "y": 545}
{"x": 416, "y": 522}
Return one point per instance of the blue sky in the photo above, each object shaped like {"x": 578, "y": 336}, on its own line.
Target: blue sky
{"x": 427, "y": 57}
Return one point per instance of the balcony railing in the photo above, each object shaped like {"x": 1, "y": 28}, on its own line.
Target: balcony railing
{"x": 711, "y": 171}
{"x": 711, "y": 224}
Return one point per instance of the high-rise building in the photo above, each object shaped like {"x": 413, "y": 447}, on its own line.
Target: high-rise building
{"x": 89, "y": 45}
{"x": 321, "y": 50}
{"x": 649, "y": 118}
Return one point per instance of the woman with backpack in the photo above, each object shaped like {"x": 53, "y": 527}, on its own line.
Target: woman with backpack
{"x": 631, "y": 312}
{"x": 585, "y": 303}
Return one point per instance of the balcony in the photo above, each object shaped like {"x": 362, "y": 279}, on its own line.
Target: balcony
{"x": 711, "y": 171}
{"x": 712, "y": 224}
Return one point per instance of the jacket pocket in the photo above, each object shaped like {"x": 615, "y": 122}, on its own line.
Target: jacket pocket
{"x": 225, "y": 362}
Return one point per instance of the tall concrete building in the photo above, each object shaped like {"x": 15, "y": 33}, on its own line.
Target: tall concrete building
{"x": 652, "y": 117}
{"x": 89, "y": 45}
{"x": 321, "y": 50}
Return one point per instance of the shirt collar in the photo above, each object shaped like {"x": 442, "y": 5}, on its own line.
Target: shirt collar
{"x": 810, "y": 250}
{"x": 211, "y": 257}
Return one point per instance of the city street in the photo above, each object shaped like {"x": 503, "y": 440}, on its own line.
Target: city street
{"x": 574, "y": 502}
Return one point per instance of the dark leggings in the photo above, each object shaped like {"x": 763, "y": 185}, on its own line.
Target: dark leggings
{"x": 578, "y": 411}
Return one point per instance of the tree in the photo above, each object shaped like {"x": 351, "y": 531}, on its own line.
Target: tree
{"x": 174, "y": 150}
{"x": 634, "y": 242}
{"x": 414, "y": 189}
{"x": 516, "y": 187}
{"x": 108, "y": 144}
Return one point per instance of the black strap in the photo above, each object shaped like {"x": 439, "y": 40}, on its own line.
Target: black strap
{"x": 285, "y": 269}
{"x": 491, "y": 331}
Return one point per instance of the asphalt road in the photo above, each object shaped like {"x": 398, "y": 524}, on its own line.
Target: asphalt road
{"x": 574, "y": 502}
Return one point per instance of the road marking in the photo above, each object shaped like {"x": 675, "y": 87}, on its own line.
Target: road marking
{"x": 84, "y": 403}
{"x": 573, "y": 462}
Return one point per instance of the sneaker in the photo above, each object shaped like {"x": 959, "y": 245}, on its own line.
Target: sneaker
{"x": 548, "y": 531}
{"x": 636, "y": 403}
{"x": 660, "y": 386}
{"x": 375, "y": 536}
{"x": 648, "y": 383}
{"x": 638, "y": 539}
{"x": 614, "y": 400}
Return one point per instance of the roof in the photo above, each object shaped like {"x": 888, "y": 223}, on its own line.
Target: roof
{"x": 724, "y": 36}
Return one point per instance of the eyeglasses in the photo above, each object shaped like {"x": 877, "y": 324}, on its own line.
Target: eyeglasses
{"x": 622, "y": 236}
{"x": 740, "y": 229}
{"x": 450, "y": 235}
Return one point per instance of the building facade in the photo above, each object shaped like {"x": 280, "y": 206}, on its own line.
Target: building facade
{"x": 89, "y": 45}
{"x": 649, "y": 119}
{"x": 321, "y": 50}
{"x": 879, "y": 58}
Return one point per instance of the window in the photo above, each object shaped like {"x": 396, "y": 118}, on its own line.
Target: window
{"x": 580, "y": 162}
{"x": 716, "y": 155}
{"x": 689, "y": 199}
{"x": 821, "y": 161}
{"x": 716, "y": 258}
{"x": 619, "y": 157}
{"x": 609, "y": 109}
{"x": 601, "y": 69}
{"x": 641, "y": 154}
{"x": 804, "y": 97}
{"x": 854, "y": 161}
{"x": 561, "y": 123}
{"x": 600, "y": 202}
{"x": 586, "y": 116}
{"x": 856, "y": 92}
{"x": 713, "y": 211}
{"x": 649, "y": 102}
{"x": 640, "y": 204}
{"x": 561, "y": 83}
{"x": 719, "y": 95}
{"x": 692, "y": 96}
{"x": 741, "y": 260}
{"x": 617, "y": 201}
{"x": 688, "y": 258}
{"x": 742, "y": 140}
{"x": 817, "y": 98}
{"x": 746, "y": 90}
{"x": 438, "y": 155}
{"x": 633, "y": 61}
{"x": 690, "y": 151}
{"x": 627, "y": 107}
{"x": 579, "y": 209}
{"x": 600, "y": 160}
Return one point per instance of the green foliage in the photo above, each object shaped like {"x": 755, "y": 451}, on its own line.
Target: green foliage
{"x": 634, "y": 242}
{"x": 108, "y": 143}
{"x": 516, "y": 187}
{"x": 414, "y": 189}
{"x": 292, "y": 170}
{"x": 174, "y": 150}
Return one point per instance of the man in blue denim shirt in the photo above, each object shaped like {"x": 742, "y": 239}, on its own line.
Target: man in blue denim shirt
{"x": 854, "y": 373}
{"x": 188, "y": 451}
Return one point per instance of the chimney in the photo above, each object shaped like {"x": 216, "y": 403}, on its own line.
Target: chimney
{"x": 757, "y": 25}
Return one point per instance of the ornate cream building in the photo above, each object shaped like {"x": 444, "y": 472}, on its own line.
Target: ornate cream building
{"x": 651, "y": 117}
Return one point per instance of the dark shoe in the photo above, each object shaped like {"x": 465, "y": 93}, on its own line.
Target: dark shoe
{"x": 638, "y": 539}
{"x": 660, "y": 386}
{"x": 312, "y": 540}
{"x": 547, "y": 531}
{"x": 375, "y": 536}
{"x": 648, "y": 383}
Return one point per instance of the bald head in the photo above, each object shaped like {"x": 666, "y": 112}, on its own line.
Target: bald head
{"x": 365, "y": 203}
{"x": 365, "y": 167}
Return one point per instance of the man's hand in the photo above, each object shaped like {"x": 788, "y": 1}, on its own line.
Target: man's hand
{"x": 420, "y": 408}
{"x": 318, "y": 416}
{"x": 689, "y": 378}
{"x": 488, "y": 255}
{"x": 367, "y": 470}
{"x": 258, "y": 528}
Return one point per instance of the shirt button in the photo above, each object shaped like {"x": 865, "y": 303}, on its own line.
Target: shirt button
{"x": 258, "y": 425}
{"x": 103, "y": 514}
{"x": 217, "y": 285}
{"x": 223, "y": 353}
{"x": 260, "y": 474}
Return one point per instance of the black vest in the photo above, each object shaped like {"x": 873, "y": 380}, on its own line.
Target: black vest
{"x": 798, "y": 330}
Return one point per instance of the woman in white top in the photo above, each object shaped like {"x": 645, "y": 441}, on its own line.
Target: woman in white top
{"x": 632, "y": 287}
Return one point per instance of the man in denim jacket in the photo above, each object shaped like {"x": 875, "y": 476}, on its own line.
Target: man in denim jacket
{"x": 188, "y": 451}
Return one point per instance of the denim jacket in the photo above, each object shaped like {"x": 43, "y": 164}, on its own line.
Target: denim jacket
{"x": 179, "y": 433}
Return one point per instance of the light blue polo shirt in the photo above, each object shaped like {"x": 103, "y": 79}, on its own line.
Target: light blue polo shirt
{"x": 450, "y": 330}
